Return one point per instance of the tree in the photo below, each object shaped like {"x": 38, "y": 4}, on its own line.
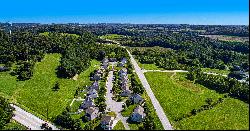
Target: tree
{"x": 56, "y": 87}
{"x": 6, "y": 112}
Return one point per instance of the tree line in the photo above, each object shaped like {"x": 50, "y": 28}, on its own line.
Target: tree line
{"x": 221, "y": 84}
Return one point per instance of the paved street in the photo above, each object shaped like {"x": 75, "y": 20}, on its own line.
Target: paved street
{"x": 29, "y": 120}
{"x": 113, "y": 105}
{"x": 163, "y": 71}
{"x": 162, "y": 116}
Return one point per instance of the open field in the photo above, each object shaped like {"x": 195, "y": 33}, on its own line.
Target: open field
{"x": 36, "y": 94}
{"x": 112, "y": 36}
{"x": 179, "y": 96}
{"x": 228, "y": 38}
{"x": 149, "y": 66}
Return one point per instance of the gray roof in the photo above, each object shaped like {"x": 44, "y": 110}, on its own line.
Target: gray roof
{"x": 139, "y": 110}
{"x": 92, "y": 91}
{"x": 106, "y": 119}
{"x": 95, "y": 85}
{"x": 88, "y": 102}
{"x": 91, "y": 110}
{"x": 105, "y": 60}
{"x": 123, "y": 70}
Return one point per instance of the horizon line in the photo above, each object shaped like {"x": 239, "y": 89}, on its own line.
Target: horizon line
{"x": 131, "y": 23}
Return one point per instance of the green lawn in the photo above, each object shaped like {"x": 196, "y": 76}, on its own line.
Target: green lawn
{"x": 36, "y": 94}
{"x": 223, "y": 72}
{"x": 127, "y": 112}
{"x": 13, "y": 125}
{"x": 119, "y": 126}
{"x": 179, "y": 96}
{"x": 112, "y": 36}
{"x": 149, "y": 66}
{"x": 75, "y": 106}
{"x": 151, "y": 107}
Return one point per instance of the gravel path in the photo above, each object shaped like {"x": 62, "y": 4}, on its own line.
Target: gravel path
{"x": 28, "y": 119}
{"x": 163, "y": 118}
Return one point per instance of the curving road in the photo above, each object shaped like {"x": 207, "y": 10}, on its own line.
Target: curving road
{"x": 28, "y": 119}
{"x": 162, "y": 116}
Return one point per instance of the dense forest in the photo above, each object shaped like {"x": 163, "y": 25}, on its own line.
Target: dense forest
{"x": 186, "y": 50}
{"x": 26, "y": 48}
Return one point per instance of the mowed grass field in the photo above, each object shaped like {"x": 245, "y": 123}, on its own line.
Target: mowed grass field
{"x": 149, "y": 66}
{"x": 178, "y": 96}
{"x": 36, "y": 94}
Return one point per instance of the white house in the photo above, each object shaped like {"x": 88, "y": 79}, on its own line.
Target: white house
{"x": 92, "y": 113}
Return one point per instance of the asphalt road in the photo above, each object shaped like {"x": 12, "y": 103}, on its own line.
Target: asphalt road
{"x": 28, "y": 119}
{"x": 160, "y": 112}
{"x": 113, "y": 105}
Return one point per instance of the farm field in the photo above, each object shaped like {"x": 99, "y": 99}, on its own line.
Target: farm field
{"x": 178, "y": 96}
{"x": 36, "y": 94}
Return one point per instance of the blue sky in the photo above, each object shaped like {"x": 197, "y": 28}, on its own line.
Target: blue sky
{"x": 126, "y": 11}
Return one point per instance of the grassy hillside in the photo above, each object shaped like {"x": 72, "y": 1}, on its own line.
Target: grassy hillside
{"x": 179, "y": 96}
{"x": 36, "y": 94}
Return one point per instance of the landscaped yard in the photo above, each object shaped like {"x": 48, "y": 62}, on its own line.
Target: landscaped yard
{"x": 179, "y": 96}
{"x": 36, "y": 94}
{"x": 119, "y": 126}
{"x": 127, "y": 112}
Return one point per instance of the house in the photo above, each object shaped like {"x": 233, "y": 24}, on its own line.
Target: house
{"x": 124, "y": 86}
{"x": 99, "y": 71}
{"x": 95, "y": 86}
{"x": 96, "y": 77}
{"x": 2, "y": 68}
{"x": 112, "y": 59}
{"x": 107, "y": 122}
{"x": 136, "y": 99}
{"x": 92, "y": 93}
{"x": 123, "y": 70}
{"x": 88, "y": 102}
{"x": 105, "y": 60}
{"x": 138, "y": 115}
{"x": 104, "y": 66}
{"x": 92, "y": 113}
{"x": 126, "y": 93}
{"x": 123, "y": 62}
